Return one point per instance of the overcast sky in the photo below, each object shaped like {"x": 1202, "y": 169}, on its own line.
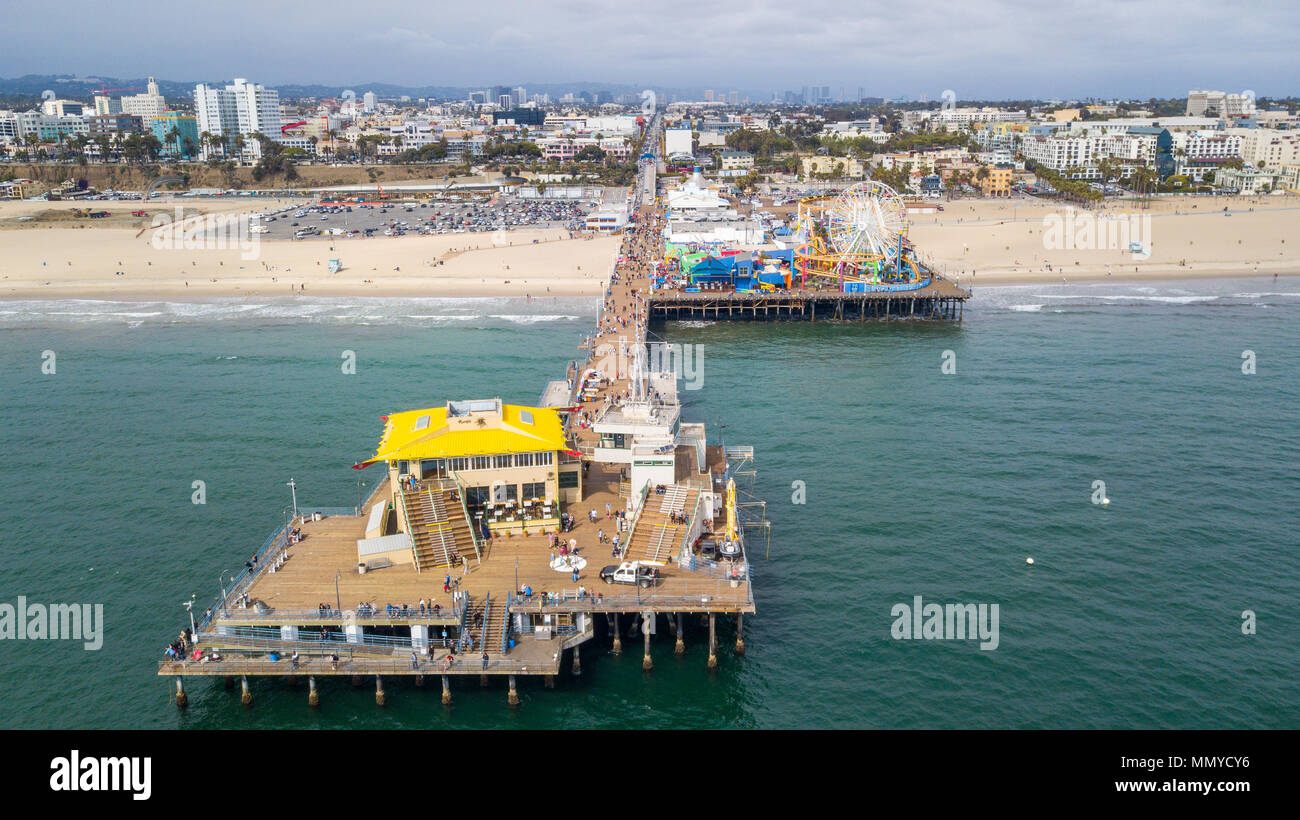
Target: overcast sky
{"x": 989, "y": 49}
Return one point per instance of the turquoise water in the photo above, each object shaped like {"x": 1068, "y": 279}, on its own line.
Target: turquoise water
{"x": 917, "y": 483}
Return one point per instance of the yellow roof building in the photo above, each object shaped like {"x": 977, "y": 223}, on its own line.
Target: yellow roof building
{"x": 469, "y": 428}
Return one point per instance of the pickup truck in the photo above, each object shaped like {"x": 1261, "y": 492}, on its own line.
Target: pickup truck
{"x": 631, "y": 572}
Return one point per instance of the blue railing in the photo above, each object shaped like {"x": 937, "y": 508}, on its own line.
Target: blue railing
{"x": 464, "y": 621}
{"x": 505, "y": 622}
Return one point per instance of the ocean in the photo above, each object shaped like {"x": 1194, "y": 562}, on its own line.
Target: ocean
{"x": 912, "y": 482}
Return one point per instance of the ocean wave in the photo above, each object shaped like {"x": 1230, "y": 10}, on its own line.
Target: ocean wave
{"x": 329, "y": 310}
{"x": 1025, "y": 308}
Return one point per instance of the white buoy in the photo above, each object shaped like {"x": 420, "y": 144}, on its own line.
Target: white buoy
{"x": 1105, "y": 501}
{"x": 1029, "y": 561}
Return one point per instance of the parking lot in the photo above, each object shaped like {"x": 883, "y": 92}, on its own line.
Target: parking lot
{"x": 439, "y": 216}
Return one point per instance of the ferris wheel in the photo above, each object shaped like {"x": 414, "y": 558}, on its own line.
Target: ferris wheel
{"x": 867, "y": 219}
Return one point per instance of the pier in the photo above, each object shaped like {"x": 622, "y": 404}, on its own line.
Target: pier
{"x": 483, "y": 548}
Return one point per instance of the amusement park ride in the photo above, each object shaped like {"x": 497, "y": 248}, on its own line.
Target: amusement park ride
{"x": 856, "y": 240}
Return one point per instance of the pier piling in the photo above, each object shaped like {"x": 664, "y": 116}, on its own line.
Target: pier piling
{"x": 680, "y": 648}
{"x": 513, "y": 697}
{"x": 313, "y": 697}
{"x": 182, "y": 700}
{"x": 646, "y": 663}
{"x": 618, "y": 638}
{"x": 740, "y": 633}
{"x": 483, "y": 681}
{"x": 356, "y": 681}
{"x": 229, "y": 681}
{"x": 577, "y": 662}
{"x": 380, "y": 698}
{"x": 446, "y": 690}
{"x": 713, "y": 642}
{"x": 246, "y": 695}
{"x": 419, "y": 681}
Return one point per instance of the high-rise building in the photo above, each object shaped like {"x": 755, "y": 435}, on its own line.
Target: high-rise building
{"x": 105, "y": 104}
{"x": 733, "y": 98}
{"x": 240, "y": 108}
{"x": 368, "y": 101}
{"x": 521, "y": 95}
{"x": 708, "y": 95}
{"x": 146, "y": 106}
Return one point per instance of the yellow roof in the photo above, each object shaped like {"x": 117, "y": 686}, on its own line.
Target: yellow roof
{"x": 428, "y": 433}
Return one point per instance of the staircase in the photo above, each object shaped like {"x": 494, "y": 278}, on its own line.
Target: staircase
{"x": 438, "y": 528}
{"x": 489, "y": 638}
{"x": 656, "y": 536}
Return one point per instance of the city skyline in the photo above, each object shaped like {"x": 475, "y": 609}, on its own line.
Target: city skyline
{"x": 992, "y": 52}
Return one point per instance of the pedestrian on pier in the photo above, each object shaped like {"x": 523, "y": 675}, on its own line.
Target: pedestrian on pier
{"x": 485, "y": 660}
{"x": 444, "y": 636}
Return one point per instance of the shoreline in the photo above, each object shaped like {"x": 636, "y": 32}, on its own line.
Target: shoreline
{"x": 197, "y": 296}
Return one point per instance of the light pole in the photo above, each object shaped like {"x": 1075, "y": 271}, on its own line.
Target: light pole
{"x": 189, "y": 607}
{"x": 338, "y": 602}
{"x": 293, "y": 488}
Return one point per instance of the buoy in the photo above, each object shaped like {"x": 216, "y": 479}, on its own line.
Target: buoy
{"x": 1029, "y": 561}
{"x": 1105, "y": 501}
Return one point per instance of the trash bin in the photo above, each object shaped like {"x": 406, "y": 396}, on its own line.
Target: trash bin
{"x": 361, "y": 568}
{"x": 274, "y": 657}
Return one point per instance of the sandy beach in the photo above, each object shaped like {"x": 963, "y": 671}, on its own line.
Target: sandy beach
{"x": 974, "y": 242}
{"x": 1015, "y": 241}
{"x": 88, "y": 261}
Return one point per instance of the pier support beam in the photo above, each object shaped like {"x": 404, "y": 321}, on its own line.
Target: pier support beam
{"x": 713, "y": 641}
{"x": 182, "y": 699}
{"x": 646, "y": 663}
{"x": 419, "y": 681}
{"x": 680, "y": 648}
{"x": 356, "y": 681}
{"x": 577, "y": 662}
{"x": 313, "y": 697}
{"x": 446, "y": 690}
{"x": 513, "y": 696}
{"x": 618, "y": 637}
{"x": 245, "y": 695}
{"x": 380, "y": 698}
{"x": 740, "y": 633}
{"x": 483, "y": 681}
{"x": 549, "y": 681}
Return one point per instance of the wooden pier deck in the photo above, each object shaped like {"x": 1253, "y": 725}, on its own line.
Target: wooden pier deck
{"x": 939, "y": 300}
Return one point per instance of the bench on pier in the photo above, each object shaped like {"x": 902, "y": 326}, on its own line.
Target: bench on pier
{"x": 373, "y": 563}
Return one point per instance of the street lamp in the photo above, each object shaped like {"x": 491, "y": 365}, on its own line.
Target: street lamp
{"x": 189, "y": 607}
{"x": 293, "y": 488}
{"x": 338, "y": 602}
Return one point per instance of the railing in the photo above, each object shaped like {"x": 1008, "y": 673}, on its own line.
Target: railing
{"x": 464, "y": 621}
{"x": 261, "y": 637}
{"x": 335, "y": 615}
{"x": 464, "y": 509}
{"x": 439, "y": 510}
{"x": 636, "y": 515}
{"x": 352, "y": 665}
{"x": 410, "y": 528}
{"x": 241, "y": 582}
{"x": 692, "y": 594}
{"x": 505, "y": 622}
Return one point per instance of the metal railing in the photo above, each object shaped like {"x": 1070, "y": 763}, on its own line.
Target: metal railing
{"x": 636, "y": 515}
{"x": 464, "y": 509}
{"x": 336, "y": 615}
{"x": 406, "y": 516}
{"x": 689, "y": 594}
{"x": 353, "y": 665}
{"x": 464, "y": 620}
{"x": 505, "y": 622}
